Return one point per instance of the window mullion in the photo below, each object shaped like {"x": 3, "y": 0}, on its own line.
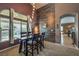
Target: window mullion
{"x": 11, "y": 27}
{"x": 0, "y": 29}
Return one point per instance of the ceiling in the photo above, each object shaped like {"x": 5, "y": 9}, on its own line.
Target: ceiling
{"x": 39, "y": 5}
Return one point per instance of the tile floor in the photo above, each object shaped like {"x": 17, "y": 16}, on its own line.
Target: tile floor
{"x": 52, "y": 49}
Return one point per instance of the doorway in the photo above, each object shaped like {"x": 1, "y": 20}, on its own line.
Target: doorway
{"x": 68, "y": 31}
{"x": 43, "y": 27}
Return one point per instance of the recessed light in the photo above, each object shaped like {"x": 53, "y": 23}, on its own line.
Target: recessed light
{"x": 33, "y": 9}
{"x": 34, "y": 6}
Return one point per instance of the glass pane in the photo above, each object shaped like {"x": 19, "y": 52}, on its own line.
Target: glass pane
{"x": 5, "y": 35}
{"x": 4, "y": 23}
{"x": 4, "y": 29}
{"x": 68, "y": 19}
{"x": 16, "y": 29}
{"x": 24, "y": 27}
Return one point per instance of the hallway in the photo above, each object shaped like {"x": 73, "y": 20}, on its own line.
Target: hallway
{"x": 68, "y": 41}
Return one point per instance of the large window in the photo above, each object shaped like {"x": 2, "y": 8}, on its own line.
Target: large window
{"x": 12, "y": 24}
{"x": 4, "y": 24}
{"x": 16, "y": 29}
{"x": 19, "y": 24}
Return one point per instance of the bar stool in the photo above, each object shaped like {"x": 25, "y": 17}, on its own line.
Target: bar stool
{"x": 41, "y": 41}
{"x": 32, "y": 45}
{"x": 28, "y": 45}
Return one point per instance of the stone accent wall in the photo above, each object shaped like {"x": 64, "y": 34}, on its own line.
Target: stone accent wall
{"x": 47, "y": 14}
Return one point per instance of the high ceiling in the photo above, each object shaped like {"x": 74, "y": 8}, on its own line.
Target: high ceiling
{"x": 39, "y": 5}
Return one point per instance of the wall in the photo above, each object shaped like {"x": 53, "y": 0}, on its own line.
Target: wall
{"x": 57, "y": 11}
{"x": 47, "y": 14}
{"x": 19, "y": 7}
{"x": 62, "y": 9}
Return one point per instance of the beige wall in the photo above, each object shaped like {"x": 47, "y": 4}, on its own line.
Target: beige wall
{"x": 53, "y": 17}
{"x": 61, "y": 9}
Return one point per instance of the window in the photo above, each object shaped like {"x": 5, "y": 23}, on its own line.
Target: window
{"x": 4, "y": 22}
{"x": 16, "y": 29}
{"x": 11, "y": 26}
{"x": 18, "y": 24}
{"x": 67, "y": 19}
{"x": 24, "y": 26}
{"x": 4, "y": 25}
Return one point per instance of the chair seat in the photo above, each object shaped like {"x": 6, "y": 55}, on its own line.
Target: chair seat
{"x": 38, "y": 38}
{"x": 30, "y": 42}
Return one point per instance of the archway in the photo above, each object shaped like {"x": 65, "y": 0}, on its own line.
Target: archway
{"x": 68, "y": 30}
